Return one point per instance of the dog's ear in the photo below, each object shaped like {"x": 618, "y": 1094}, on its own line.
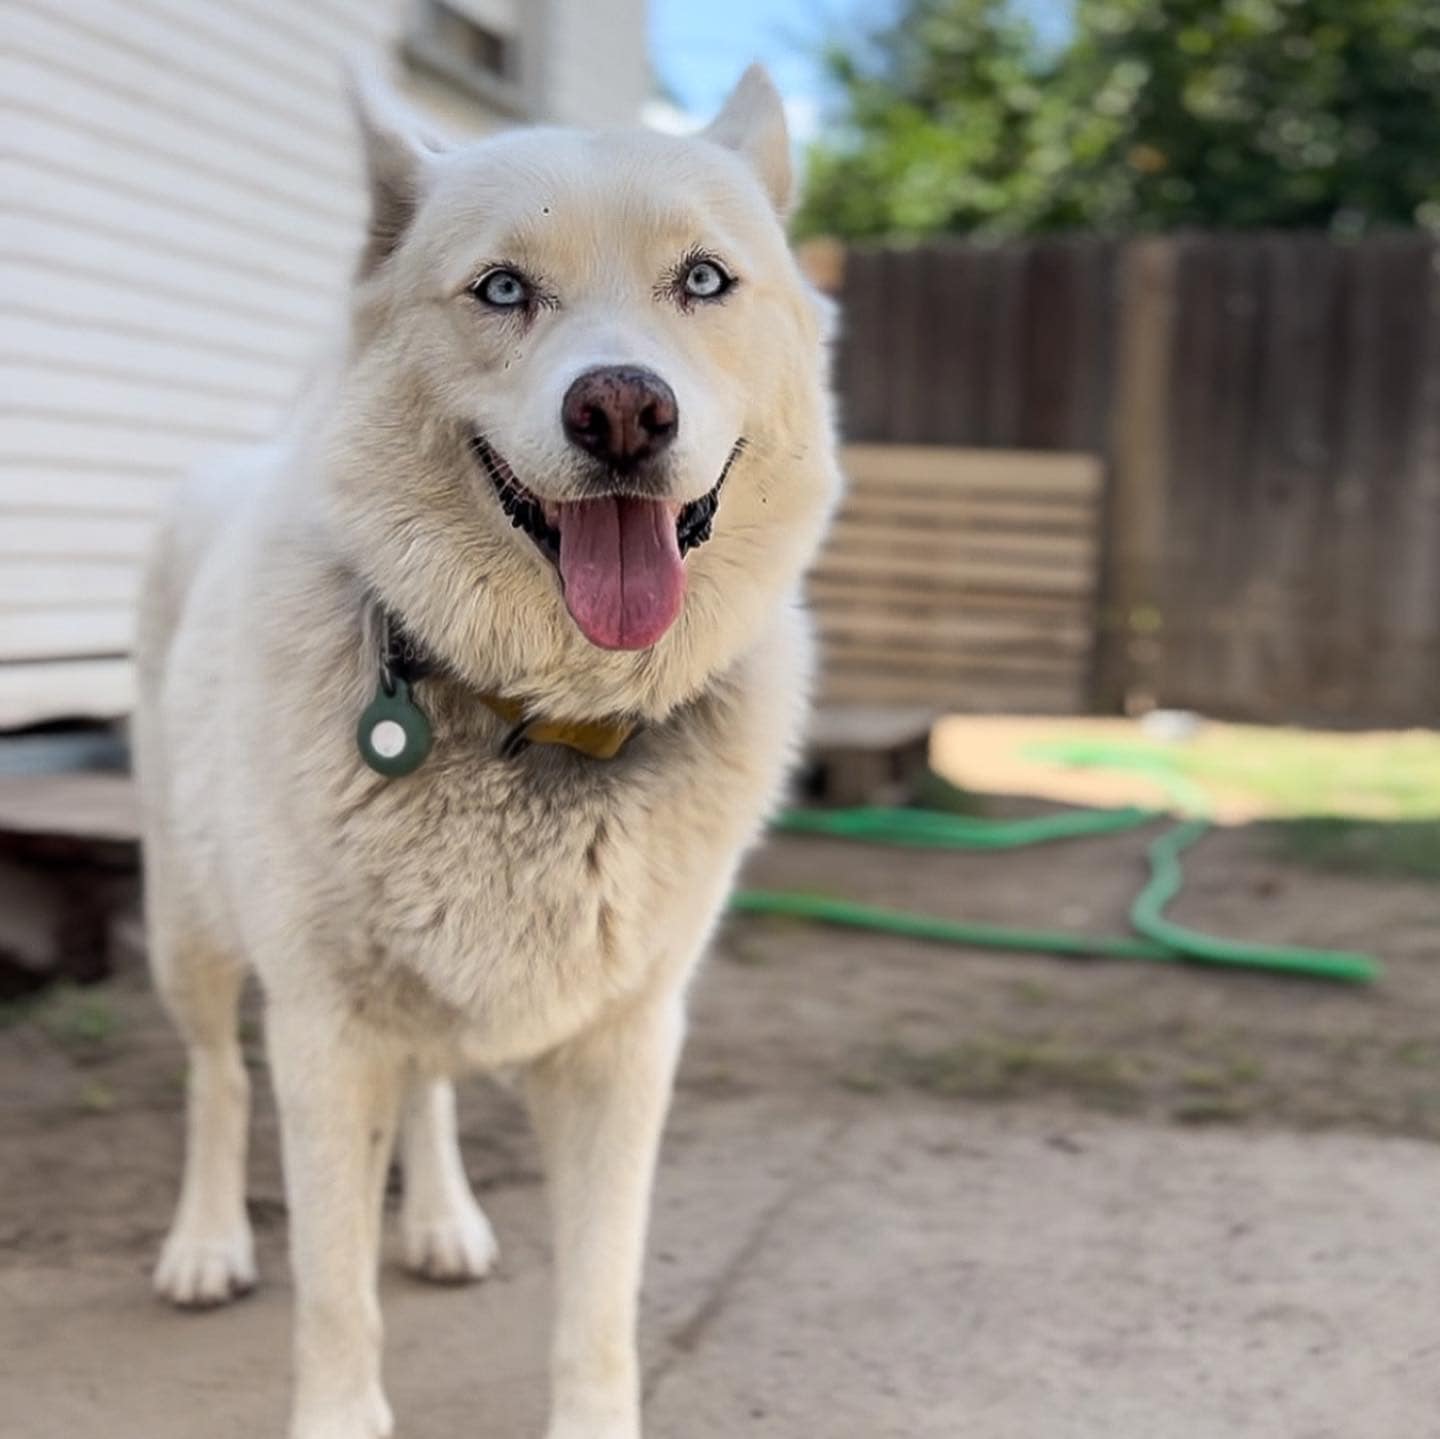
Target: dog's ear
{"x": 397, "y": 148}
{"x": 752, "y": 122}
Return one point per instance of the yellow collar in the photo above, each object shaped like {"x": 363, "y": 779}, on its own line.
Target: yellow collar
{"x": 600, "y": 739}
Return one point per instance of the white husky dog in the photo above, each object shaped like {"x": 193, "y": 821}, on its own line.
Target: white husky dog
{"x": 461, "y": 702}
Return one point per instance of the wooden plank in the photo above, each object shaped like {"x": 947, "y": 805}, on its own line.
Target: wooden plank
{"x": 1005, "y": 292}
{"x": 1420, "y": 587}
{"x": 933, "y": 509}
{"x": 1191, "y": 437}
{"x": 945, "y": 628}
{"x": 1128, "y": 655}
{"x": 995, "y": 695}
{"x": 960, "y": 577}
{"x": 1292, "y": 443}
{"x": 1406, "y": 265}
{"x": 888, "y": 655}
{"x": 885, "y": 656}
{"x": 900, "y": 596}
{"x": 912, "y": 345}
{"x": 1094, "y": 361}
{"x": 1000, "y": 473}
{"x": 861, "y": 365}
{"x": 1242, "y": 562}
{"x": 1048, "y": 345}
{"x": 931, "y": 543}
{"x": 960, "y": 361}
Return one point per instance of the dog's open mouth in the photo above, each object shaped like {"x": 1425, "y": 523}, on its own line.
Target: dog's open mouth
{"x": 619, "y": 555}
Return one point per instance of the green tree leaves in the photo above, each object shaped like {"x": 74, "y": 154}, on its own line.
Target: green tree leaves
{"x": 1156, "y": 114}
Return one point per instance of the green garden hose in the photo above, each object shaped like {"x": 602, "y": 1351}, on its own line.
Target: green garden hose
{"x": 935, "y": 829}
{"x": 1159, "y": 938}
{"x": 792, "y": 904}
{"x": 1147, "y": 915}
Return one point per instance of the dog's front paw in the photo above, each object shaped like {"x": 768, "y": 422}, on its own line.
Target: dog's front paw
{"x": 592, "y": 1429}
{"x": 200, "y": 1269}
{"x": 369, "y": 1418}
{"x": 453, "y": 1245}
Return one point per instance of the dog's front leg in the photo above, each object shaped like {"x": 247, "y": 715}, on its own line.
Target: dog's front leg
{"x": 599, "y": 1104}
{"x": 338, "y": 1095}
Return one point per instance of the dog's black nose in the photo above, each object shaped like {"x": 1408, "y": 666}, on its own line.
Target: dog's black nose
{"x": 621, "y": 414}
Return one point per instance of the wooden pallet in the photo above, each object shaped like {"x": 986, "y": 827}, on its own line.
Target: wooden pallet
{"x": 962, "y": 580}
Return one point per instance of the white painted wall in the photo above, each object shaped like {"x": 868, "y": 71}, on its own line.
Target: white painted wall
{"x": 179, "y": 210}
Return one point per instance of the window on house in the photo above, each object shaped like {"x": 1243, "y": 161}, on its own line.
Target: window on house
{"x": 468, "y": 44}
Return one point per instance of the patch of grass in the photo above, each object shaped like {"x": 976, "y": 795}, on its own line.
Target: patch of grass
{"x": 1002, "y": 1068}
{"x": 1219, "y": 1089}
{"x": 742, "y": 949}
{"x": 17, "y": 1011}
{"x": 1286, "y": 773}
{"x": 1212, "y": 1109}
{"x": 1030, "y": 991}
{"x": 79, "y": 1020}
{"x": 1408, "y": 848}
{"x": 96, "y": 1097}
{"x": 1298, "y": 772}
{"x": 1418, "y": 1053}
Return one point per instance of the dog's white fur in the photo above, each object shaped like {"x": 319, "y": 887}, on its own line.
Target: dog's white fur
{"x": 542, "y": 913}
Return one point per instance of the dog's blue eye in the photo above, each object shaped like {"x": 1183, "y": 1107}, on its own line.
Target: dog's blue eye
{"x": 705, "y": 280}
{"x": 502, "y": 288}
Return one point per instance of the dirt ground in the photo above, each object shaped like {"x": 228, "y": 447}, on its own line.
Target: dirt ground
{"x": 907, "y": 1190}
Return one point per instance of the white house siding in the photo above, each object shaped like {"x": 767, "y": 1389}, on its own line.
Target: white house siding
{"x": 179, "y": 210}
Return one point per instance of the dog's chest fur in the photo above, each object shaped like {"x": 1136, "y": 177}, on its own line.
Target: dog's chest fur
{"x": 506, "y": 902}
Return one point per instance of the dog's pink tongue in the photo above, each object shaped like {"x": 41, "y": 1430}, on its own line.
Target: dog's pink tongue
{"x": 620, "y": 565}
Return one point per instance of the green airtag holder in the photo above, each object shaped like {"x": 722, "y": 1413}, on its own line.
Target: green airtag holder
{"x": 394, "y": 734}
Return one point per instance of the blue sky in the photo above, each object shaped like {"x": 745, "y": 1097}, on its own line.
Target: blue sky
{"x": 699, "y": 47}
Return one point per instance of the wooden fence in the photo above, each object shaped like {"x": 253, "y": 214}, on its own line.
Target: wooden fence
{"x": 1268, "y": 410}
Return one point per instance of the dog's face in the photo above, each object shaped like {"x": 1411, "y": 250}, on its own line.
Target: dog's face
{"x": 586, "y": 383}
